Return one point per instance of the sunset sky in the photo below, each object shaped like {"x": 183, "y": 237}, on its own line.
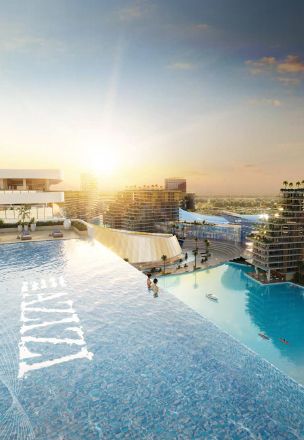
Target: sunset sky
{"x": 211, "y": 90}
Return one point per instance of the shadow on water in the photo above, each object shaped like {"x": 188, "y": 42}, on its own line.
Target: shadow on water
{"x": 279, "y": 313}
{"x": 233, "y": 277}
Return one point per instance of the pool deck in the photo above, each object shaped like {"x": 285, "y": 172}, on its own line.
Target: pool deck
{"x": 9, "y": 237}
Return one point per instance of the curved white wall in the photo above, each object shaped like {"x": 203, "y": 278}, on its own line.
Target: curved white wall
{"x": 139, "y": 247}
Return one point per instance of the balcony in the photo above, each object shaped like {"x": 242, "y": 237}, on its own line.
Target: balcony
{"x": 24, "y": 197}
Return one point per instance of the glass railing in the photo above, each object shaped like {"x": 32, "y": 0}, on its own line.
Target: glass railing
{"x": 22, "y": 191}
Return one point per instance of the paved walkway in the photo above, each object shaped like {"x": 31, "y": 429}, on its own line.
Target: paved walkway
{"x": 220, "y": 253}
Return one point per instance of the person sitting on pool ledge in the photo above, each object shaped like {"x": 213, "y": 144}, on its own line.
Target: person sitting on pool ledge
{"x": 155, "y": 287}
{"x": 149, "y": 282}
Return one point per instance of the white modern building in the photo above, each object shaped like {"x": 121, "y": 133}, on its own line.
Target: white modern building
{"x": 32, "y": 188}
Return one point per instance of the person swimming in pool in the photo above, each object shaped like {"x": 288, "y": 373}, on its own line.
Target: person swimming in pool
{"x": 155, "y": 288}
{"x": 149, "y": 281}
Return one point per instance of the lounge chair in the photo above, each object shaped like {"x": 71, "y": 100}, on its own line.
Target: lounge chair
{"x": 25, "y": 236}
{"x": 56, "y": 233}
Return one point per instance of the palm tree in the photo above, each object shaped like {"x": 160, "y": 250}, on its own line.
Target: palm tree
{"x": 195, "y": 252}
{"x": 164, "y": 258}
{"x": 302, "y": 183}
{"x": 285, "y": 183}
{"x": 298, "y": 183}
{"x": 207, "y": 244}
{"x": 24, "y": 212}
{"x": 290, "y": 185}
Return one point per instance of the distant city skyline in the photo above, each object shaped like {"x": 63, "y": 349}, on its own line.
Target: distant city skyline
{"x": 139, "y": 90}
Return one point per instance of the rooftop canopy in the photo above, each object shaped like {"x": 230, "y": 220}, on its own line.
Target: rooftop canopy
{"x": 55, "y": 175}
{"x": 186, "y": 216}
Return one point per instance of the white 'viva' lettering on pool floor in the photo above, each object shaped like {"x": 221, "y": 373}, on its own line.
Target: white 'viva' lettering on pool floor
{"x": 34, "y": 300}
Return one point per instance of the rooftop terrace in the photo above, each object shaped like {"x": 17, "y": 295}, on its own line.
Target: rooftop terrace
{"x": 41, "y": 234}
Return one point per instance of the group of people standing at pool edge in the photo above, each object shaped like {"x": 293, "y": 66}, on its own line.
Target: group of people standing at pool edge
{"x": 152, "y": 285}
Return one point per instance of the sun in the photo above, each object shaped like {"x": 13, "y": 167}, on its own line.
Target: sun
{"x": 103, "y": 163}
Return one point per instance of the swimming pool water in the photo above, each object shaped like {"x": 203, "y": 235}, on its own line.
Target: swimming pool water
{"x": 245, "y": 308}
{"x": 87, "y": 353}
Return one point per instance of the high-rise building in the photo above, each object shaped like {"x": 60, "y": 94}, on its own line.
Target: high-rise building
{"x": 88, "y": 182}
{"x": 32, "y": 188}
{"x": 139, "y": 209}
{"x": 278, "y": 247}
{"x": 176, "y": 183}
{"x": 86, "y": 205}
{"x": 180, "y": 184}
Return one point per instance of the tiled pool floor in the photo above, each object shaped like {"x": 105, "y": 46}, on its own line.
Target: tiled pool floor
{"x": 158, "y": 369}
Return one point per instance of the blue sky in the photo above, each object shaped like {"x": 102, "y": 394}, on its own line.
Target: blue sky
{"x": 211, "y": 90}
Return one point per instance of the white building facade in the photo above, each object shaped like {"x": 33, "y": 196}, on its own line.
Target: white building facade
{"x": 32, "y": 188}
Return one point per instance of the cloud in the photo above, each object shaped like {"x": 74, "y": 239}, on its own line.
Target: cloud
{"x": 200, "y": 27}
{"x": 191, "y": 32}
{"x": 290, "y": 65}
{"x": 15, "y": 39}
{"x": 189, "y": 172}
{"x": 20, "y": 42}
{"x": 181, "y": 66}
{"x": 262, "y": 62}
{"x": 249, "y": 165}
{"x": 274, "y": 102}
{"x": 266, "y": 102}
{"x": 134, "y": 11}
{"x": 288, "y": 81}
{"x": 251, "y": 168}
{"x": 262, "y": 65}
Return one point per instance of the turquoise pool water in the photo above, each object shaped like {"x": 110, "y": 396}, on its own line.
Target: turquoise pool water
{"x": 87, "y": 353}
{"x": 245, "y": 308}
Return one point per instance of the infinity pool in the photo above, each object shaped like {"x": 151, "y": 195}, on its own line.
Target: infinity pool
{"x": 245, "y": 308}
{"x": 87, "y": 353}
